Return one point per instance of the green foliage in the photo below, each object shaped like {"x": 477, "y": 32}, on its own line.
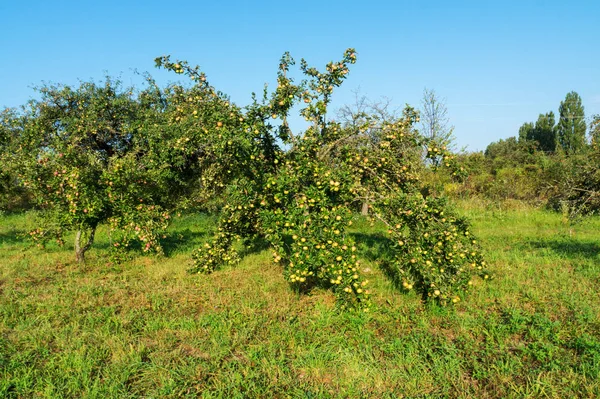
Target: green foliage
{"x": 571, "y": 125}
{"x": 543, "y": 134}
{"x": 99, "y": 153}
{"x": 577, "y": 176}
{"x": 497, "y": 179}
{"x": 510, "y": 169}
{"x": 595, "y": 129}
{"x": 547, "y": 163}
{"x": 526, "y": 131}
{"x": 505, "y": 148}
{"x": 12, "y": 196}
{"x": 300, "y": 199}
{"x": 511, "y": 152}
{"x": 5, "y": 138}
{"x": 577, "y": 183}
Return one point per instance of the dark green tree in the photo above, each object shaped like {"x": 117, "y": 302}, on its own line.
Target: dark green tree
{"x": 545, "y": 132}
{"x": 526, "y": 132}
{"x": 6, "y": 119}
{"x": 595, "y": 129}
{"x": 12, "y": 196}
{"x": 571, "y": 125}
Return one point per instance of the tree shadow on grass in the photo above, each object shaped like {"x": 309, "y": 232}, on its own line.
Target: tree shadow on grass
{"x": 569, "y": 248}
{"x": 12, "y": 237}
{"x": 183, "y": 241}
{"x": 253, "y": 246}
{"x": 373, "y": 246}
{"x": 377, "y": 248}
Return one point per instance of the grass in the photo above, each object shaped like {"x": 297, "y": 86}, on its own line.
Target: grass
{"x": 148, "y": 329}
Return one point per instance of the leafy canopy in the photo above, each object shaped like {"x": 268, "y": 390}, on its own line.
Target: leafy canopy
{"x": 297, "y": 191}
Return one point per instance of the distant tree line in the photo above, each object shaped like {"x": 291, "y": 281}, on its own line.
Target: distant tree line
{"x": 567, "y": 135}
{"x": 552, "y": 161}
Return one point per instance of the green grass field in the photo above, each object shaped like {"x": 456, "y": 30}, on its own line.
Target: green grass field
{"x": 147, "y": 329}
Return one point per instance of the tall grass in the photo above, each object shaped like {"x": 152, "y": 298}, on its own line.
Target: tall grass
{"x": 146, "y": 328}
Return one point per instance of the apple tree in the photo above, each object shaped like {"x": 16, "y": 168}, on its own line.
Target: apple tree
{"x": 7, "y": 131}
{"x": 297, "y": 191}
{"x": 103, "y": 154}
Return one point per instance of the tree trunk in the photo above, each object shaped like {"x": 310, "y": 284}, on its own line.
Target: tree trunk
{"x": 81, "y": 250}
{"x": 365, "y": 209}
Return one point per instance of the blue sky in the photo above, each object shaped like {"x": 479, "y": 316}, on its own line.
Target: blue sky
{"x": 497, "y": 64}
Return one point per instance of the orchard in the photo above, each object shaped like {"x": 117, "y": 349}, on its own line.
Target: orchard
{"x": 103, "y": 154}
{"x": 298, "y": 192}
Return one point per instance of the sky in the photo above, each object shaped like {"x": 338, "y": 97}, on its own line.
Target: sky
{"x": 495, "y": 64}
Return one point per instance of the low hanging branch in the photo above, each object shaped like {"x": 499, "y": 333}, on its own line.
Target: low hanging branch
{"x": 300, "y": 199}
